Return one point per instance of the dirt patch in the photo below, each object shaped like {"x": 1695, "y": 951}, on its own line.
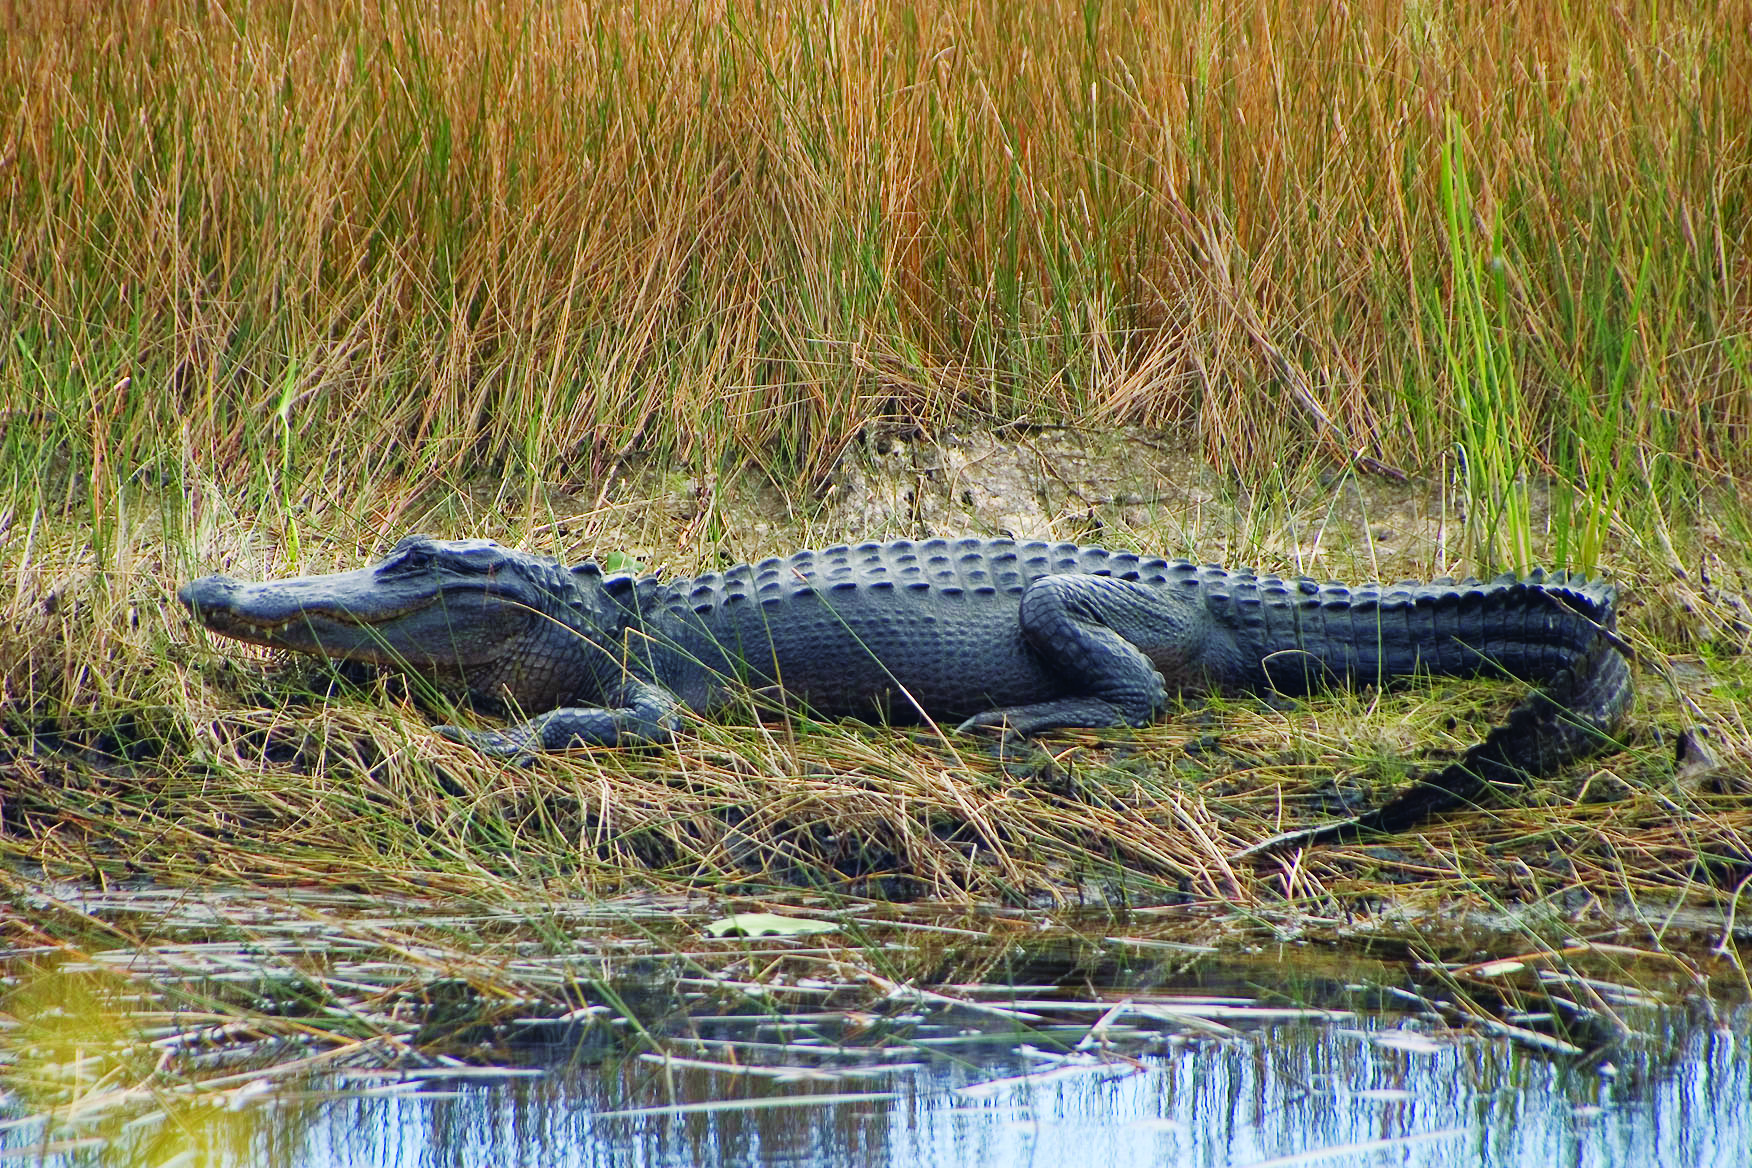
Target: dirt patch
{"x": 1123, "y": 488}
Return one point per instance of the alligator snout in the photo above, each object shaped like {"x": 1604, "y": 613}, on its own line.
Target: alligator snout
{"x": 231, "y": 607}
{"x": 205, "y": 592}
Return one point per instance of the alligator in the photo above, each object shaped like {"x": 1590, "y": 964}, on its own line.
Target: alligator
{"x": 1020, "y": 637}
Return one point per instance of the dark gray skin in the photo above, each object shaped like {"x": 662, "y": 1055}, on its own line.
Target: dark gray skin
{"x": 1029, "y": 637}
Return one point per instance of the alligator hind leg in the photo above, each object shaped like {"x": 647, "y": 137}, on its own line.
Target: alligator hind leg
{"x": 1088, "y": 630}
{"x": 641, "y": 713}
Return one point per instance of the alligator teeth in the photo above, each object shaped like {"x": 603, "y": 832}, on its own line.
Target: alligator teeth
{"x": 254, "y": 630}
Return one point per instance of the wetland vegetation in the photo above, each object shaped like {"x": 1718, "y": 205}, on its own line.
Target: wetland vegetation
{"x": 1375, "y": 290}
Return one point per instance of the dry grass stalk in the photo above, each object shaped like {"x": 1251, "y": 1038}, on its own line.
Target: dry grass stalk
{"x": 539, "y": 240}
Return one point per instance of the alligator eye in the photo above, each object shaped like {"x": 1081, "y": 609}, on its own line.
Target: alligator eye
{"x": 406, "y": 542}
{"x": 412, "y": 560}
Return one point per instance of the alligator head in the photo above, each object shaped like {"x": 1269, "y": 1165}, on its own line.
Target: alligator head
{"x": 446, "y": 607}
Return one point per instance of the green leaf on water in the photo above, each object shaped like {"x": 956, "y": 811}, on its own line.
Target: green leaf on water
{"x": 768, "y": 925}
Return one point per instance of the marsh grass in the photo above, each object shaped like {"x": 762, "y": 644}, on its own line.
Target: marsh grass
{"x": 699, "y": 285}
{"x": 308, "y": 248}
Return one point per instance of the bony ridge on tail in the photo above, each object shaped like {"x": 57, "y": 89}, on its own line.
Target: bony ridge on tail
{"x": 1027, "y": 636}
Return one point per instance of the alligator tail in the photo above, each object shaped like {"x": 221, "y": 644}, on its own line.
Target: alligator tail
{"x": 1307, "y": 636}
{"x": 1574, "y": 715}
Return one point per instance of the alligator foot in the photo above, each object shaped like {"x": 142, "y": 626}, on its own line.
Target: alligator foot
{"x": 1059, "y": 714}
{"x": 515, "y": 744}
{"x": 643, "y": 713}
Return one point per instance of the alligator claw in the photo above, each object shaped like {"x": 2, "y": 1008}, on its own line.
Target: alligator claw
{"x": 990, "y": 720}
{"x": 491, "y": 743}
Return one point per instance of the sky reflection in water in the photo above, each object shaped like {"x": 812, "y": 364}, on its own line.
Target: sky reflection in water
{"x": 1285, "y": 1091}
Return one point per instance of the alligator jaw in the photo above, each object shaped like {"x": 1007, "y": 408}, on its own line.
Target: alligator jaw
{"x": 358, "y": 616}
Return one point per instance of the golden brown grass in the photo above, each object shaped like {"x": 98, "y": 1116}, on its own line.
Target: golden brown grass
{"x": 302, "y": 247}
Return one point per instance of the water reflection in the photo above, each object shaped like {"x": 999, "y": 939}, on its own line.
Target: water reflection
{"x": 1366, "y": 1091}
{"x": 305, "y": 1039}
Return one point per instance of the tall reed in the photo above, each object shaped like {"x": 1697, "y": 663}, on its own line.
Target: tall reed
{"x": 303, "y": 248}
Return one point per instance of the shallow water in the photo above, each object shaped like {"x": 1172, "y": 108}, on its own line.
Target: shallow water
{"x": 1357, "y": 1093}
{"x": 1345, "y": 1089}
{"x": 1069, "y": 1049}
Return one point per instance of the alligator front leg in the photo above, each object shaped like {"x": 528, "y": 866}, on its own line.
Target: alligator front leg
{"x": 1088, "y": 629}
{"x": 640, "y": 712}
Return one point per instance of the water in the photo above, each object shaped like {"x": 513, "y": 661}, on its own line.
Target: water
{"x": 918, "y": 1046}
{"x": 1285, "y": 1092}
{"x": 1359, "y": 1090}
